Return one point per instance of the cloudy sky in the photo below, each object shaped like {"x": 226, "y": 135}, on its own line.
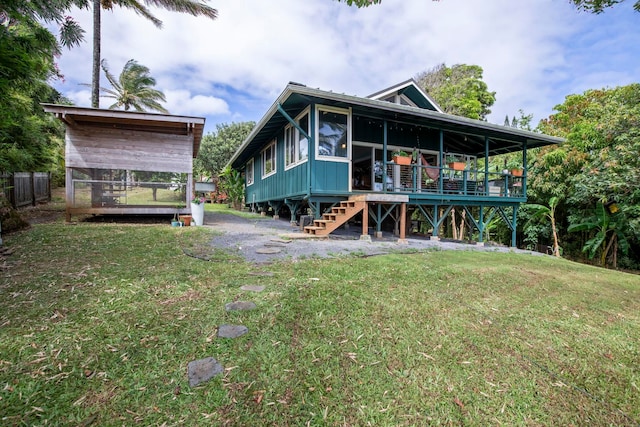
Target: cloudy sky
{"x": 533, "y": 52}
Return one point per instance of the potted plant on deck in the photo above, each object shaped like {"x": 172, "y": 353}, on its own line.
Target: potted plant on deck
{"x": 401, "y": 157}
{"x": 453, "y": 163}
{"x": 514, "y": 167}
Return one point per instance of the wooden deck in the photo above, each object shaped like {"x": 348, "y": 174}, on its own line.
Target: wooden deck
{"x": 448, "y": 184}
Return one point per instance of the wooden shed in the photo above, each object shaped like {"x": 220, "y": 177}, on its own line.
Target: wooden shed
{"x": 123, "y": 162}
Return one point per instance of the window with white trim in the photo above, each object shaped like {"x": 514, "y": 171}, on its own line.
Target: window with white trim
{"x": 333, "y": 132}
{"x": 269, "y": 159}
{"x": 303, "y": 142}
{"x": 248, "y": 172}
{"x": 295, "y": 143}
{"x": 401, "y": 99}
{"x": 289, "y": 146}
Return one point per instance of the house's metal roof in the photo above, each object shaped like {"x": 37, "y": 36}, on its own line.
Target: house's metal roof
{"x": 462, "y": 135}
{"x": 130, "y": 120}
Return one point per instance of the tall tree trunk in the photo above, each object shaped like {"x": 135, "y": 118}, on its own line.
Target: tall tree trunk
{"x": 458, "y": 231}
{"x": 556, "y": 246}
{"x": 607, "y": 249}
{"x": 95, "y": 75}
{"x": 454, "y": 226}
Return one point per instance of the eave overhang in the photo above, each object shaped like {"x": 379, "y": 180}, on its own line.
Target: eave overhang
{"x": 130, "y": 120}
{"x": 462, "y": 135}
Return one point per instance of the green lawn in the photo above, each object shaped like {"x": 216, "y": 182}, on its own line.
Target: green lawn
{"x": 99, "y": 321}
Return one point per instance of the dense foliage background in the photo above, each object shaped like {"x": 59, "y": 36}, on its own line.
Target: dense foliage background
{"x": 589, "y": 184}
{"x": 598, "y": 166}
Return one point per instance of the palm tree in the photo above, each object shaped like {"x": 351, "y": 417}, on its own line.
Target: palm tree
{"x": 191, "y": 7}
{"x": 133, "y": 89}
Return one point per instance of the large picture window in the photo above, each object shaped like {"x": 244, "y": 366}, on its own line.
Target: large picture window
{"x": 295, "y": 143}
{"x": 248, "y": 172}
{"x": 269, "y": 160}
{"x": 333, "y": 133}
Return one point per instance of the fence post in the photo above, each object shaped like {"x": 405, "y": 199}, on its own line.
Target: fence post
{"x": 3, "y": 176}
{"x": 4, "y": 182}
{"x": 12, "y": 189}
{"x": 33, "y": 188}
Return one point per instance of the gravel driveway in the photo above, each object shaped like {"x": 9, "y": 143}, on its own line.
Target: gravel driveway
{"x": 263, "y": 240}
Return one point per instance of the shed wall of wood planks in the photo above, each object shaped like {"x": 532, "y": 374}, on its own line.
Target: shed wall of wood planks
{"x": 128, "y": 150}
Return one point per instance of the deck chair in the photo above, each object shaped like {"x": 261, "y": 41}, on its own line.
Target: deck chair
{"x": 431, "y": 172}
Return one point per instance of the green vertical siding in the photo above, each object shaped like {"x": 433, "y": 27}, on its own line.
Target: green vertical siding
{"x": 330, "y": 177}
{"x": 292, "y": 182}
{"x": 295, "y": 180}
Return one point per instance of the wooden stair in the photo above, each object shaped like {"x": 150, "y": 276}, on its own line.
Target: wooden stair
{"x": 334, "y": 219}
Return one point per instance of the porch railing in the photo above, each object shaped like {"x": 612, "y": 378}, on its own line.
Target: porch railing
{"x": 444, "y": 180}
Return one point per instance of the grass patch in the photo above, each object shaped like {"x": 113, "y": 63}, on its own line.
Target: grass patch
{"x": 225, "y": 209}
{"x": 99, "y": 321}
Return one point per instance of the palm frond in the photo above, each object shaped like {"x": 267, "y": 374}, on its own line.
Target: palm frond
{"x": 191, "y": 7}
{"x": 133, "y": 88}
{"x": 140, "y": 9}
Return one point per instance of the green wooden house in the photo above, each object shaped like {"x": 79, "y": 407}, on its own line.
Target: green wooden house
{"x": 333, "y": 154}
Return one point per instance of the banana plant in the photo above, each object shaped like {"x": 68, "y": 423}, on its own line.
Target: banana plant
{"x": 609, "y": 234}
{"x": 232, "y": 182}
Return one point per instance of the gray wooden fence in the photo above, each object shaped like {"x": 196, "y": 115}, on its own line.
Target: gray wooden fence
{"x": 26, "y": 188}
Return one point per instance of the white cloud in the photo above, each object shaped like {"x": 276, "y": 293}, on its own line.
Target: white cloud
{"x": 533, "y": 53}
{"x": 182, "y": 102}
{"x": 80, "y": 98}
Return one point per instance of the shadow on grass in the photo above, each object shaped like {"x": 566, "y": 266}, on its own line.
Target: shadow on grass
{"x": 129, "y": 219}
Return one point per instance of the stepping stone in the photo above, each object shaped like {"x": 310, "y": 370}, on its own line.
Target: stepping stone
{"x": 252, "y": 288}
{"x": 268, "y": 251}
{"x": 203, "y": 370}
{"x": 232, "y": 331}
{"x": 274, "y": 245}
{"x": 240, "y": 306}
{"x": 281, "y": 241}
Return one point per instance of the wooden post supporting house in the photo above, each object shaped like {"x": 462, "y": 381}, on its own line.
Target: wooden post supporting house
{"x": 403, "y": 223}
{"x": 365, "y": 223}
